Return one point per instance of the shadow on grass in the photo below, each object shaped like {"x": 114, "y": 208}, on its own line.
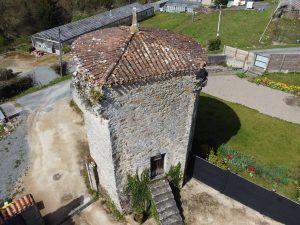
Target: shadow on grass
{"x": 216, "y": 123}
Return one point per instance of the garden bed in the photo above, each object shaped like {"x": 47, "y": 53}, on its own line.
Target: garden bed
{"x": 271, "y": 141}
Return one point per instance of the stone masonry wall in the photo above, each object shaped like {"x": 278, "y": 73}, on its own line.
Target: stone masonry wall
{"x": 149, "y": 119}
{"x": 100, "y": 148}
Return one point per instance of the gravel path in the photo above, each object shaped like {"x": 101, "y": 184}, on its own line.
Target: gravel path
{"x": 266, "y": 100}
{"x": 14, "y": 152}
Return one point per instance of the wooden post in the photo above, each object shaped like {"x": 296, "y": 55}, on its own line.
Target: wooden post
{"x": 282, "y": 62}
{"x": 60, "y": 53}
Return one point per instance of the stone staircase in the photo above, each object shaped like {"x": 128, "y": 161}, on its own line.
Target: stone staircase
{"x": 166, "y": 206}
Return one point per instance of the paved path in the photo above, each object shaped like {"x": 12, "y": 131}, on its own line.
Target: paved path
{"x": 265, "y": 100}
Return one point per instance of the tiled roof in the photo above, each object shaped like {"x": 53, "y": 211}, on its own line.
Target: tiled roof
{"x": 16, "y": 208}
{"x": 114, "y": 56}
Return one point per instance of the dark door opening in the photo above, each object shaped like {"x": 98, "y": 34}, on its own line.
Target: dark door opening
{"x": 157, "y": 165}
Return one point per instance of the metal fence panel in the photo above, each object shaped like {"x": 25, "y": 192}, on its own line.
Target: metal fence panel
{"x": 266, "y": 202}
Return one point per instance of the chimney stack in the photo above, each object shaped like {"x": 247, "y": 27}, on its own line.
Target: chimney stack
{"x": 134, "y": 27}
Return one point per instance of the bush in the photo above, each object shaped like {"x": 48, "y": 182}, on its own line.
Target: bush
{"x": 214, "y": 44}
{"x": 56, "y": 67}
{"x": 221, "y": 2}
{"x": 14, "y": 86}
{"x": 24, "y": 47}
{"x": 6, "y": 74}
{"x": 175, "y": 175}
{"x": 217, "y": 161}
{"x": 66, "y": 48}
{"x": 3, "y": 41}
{"x": 241, "y": 74}
{"x": 96, "y": 95}
{"x": 138, "y": 189}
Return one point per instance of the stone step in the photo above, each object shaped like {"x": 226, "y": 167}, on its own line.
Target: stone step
{"x": 162, "y": 197}
{"x": 168, "y": 212}
{"x": 171, "y": 219}
{"x": 166, "y": 205}
{"x": 158, "y": 190}
{"x": 158, "y": 183}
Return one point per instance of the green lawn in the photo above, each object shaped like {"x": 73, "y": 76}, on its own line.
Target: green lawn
{"x": 287, "y": 78}
{"x": 269, "y": 140}
{"x": 239, "y": 28}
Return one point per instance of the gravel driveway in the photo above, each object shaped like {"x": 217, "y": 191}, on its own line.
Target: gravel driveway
{"x": 266, "y": 100}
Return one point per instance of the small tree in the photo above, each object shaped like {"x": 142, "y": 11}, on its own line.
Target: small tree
{"x": 138, "y": 189}
{"x": 214, "y": 44}
{"x": 221, "y": 2}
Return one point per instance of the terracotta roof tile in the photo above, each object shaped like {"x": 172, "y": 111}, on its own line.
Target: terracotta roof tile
{"x": 16, "y": 208}
{"x": 115, "y": 56}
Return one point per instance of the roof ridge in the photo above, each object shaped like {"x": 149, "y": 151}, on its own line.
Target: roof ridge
{"x": 109, "y": 72}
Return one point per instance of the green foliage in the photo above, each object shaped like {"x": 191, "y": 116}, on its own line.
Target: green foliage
{"x": 286, "y": 78}
{"x": 2, "y": 131}
{"x": 154, "y": 213}
{"x": 3, "y": 41}
{"x": 242, "y": 161}
{"x": 138, "y": 189}
{"x": 66, "y": 49}
{"x": 96, "y": 95}
{"x": 24, "y": 47}
{"x": 216, "y": 160}
{"x": 75, "y": 107}
{"x": 214, "y": 44}
{"x": 241, "y": 74}
{"x": 50, "y": 14}
{"x": 113, "y": 209}
{"x": 175, "y": 175}
{"x": 203, "y": 28}
{"x": 56, "y": 67}
{"x": 14, "y": 86}
{"x": 298, "y": 194}
{"x": 6, "y": 74}
{"x": 79, "y": 16}
{"x": 221, "y": 2}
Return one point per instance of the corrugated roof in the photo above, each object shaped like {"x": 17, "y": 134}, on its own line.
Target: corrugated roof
{"x": 75, "y": 29}
{"x": 114, "y": 56}
{"x": 17, "y": 207}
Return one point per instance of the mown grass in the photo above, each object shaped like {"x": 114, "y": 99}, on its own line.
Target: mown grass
{"x": 239, "y": 28}
{"x": 287, "y": 78}
{"x": 269, "y": 140}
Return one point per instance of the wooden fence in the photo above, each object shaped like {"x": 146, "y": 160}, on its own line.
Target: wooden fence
{"x": 262, "y": 200}
{"x": 239, "y": 58}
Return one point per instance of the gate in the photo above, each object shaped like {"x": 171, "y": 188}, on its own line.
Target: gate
{"x": 261, "y": 61}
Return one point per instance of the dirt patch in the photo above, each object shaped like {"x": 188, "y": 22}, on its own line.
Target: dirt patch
{"x": 54, "y": 175}
{"x": 24, "y": 62}
{"x": 204, "y": 205}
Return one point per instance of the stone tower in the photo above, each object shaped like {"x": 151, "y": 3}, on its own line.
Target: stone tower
{"x": 137, "y": 91}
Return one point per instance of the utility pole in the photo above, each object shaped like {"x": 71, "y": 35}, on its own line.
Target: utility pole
{"x": 219, "y": 22}
{"x": 60, "y": 52}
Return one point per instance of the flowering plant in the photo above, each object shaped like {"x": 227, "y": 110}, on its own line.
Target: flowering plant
{"x": 278, "y": 85}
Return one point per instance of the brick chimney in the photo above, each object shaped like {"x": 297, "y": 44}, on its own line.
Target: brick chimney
{"x": 134, "y": 27}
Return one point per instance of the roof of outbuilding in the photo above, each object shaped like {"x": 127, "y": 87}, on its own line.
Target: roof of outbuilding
{"x": 15, "y": 208}
{"x": 114, "y": 56}
{"x": 75, "y": 29}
